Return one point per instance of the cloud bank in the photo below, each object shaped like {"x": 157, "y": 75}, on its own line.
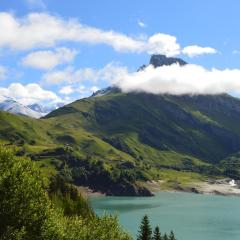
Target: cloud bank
{"x": 174, "y": 79}
{"x": 45, "y": 30}
{"x": 29, "y": 94}
{"x": 178, "y": 80}
{"x": 38, "y": 30}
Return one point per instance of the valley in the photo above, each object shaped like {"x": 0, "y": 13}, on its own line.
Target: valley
{"x": 119, "y": 120}
{"x": 115, "y": 142}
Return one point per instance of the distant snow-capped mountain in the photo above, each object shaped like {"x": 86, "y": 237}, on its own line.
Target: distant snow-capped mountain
{"x": 37, "y": 108}
{"x": 34, "y": 110}
{"x": 45, "y": 109}
{"x": 10, "y": 105}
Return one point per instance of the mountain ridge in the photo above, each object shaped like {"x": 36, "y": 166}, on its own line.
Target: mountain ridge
{"x": 10, "y": 105}
{"x": 159, "y": 60}
{"x": 116, "y": 142}
{"x": 35, "y": 110}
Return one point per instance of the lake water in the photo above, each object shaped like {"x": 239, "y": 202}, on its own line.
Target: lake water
{"x": 191, "y": 216}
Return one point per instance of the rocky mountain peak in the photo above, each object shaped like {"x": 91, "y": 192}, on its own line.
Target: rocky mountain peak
{"x": 158, "y": 60}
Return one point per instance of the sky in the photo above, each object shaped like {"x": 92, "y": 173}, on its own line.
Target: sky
{"x": 60, "y": 51}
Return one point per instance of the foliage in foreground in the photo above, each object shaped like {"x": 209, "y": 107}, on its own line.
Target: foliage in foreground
{"x": 27, "y": 213}
{"x": 67, "y": 197}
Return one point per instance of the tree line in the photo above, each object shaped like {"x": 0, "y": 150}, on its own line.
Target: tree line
{"x": 145, "y": 232}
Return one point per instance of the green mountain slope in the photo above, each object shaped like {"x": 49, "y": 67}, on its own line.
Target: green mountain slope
{"x": 115, "y": 142}
{"x": 110, "y": 142}
{"x": 204, "y": 127}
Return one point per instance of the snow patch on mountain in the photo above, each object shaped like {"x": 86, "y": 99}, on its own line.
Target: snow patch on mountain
{"x": 12, "y": 106}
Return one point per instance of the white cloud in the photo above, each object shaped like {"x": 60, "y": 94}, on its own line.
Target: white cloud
{"x": 3, "y": 73}
{"x": 36, "y": 4}
{"x": 28, "y": 94}
{"x": 49, "y": 59}
{"x": 141, "y": 24}
{"x": 163, "y": 44}
{"x": 66, "y": 90}
{"x": 82, "y": 90}
{"x": 94, "y": 88}
{"x": 44, "y": 30}
{"x": 194, "y": 50}
{"x": 86, "y": 91}
{"x": 175, "y": 79}
{"x": 76, "y": 81}
{"x": 70, "y": 75}
{"x": 37, "y": 30}
{"x": 110, "y": 72}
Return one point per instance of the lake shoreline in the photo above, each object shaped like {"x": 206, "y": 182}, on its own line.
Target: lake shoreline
{"x": 210, "y": 187}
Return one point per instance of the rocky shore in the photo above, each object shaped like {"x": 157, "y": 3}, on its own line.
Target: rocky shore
{"x": 224, "y": 187}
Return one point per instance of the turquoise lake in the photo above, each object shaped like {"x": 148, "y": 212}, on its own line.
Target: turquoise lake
{"x": 190, "y": 216}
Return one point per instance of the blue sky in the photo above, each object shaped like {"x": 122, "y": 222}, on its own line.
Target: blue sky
{"x": 71, "y": 67}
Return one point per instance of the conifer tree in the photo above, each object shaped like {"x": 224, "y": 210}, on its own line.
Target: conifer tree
{"x": 157, "y": 234}
{"x": 145, "y": 231}
{"x": 171, "y": 236}
{"x": 165, "y": 237}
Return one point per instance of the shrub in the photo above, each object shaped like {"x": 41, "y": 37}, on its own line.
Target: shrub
{"x": 27, "y": 213}
{"x": 24, "y": 205}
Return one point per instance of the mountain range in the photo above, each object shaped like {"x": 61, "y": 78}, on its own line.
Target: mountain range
{"x": 116, "y": 142}
{"x": 10, "y": 105}
{"x": 33, "y": 110}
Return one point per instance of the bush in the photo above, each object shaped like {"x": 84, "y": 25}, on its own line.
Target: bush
{"x": 67, "y": 197}
{"x": 27, "y": 213}
{"x": 23, "y": 201}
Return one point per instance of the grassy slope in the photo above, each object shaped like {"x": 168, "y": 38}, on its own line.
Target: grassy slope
{"x": 159, "y": 134}
{"x": 156, "y": 123}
